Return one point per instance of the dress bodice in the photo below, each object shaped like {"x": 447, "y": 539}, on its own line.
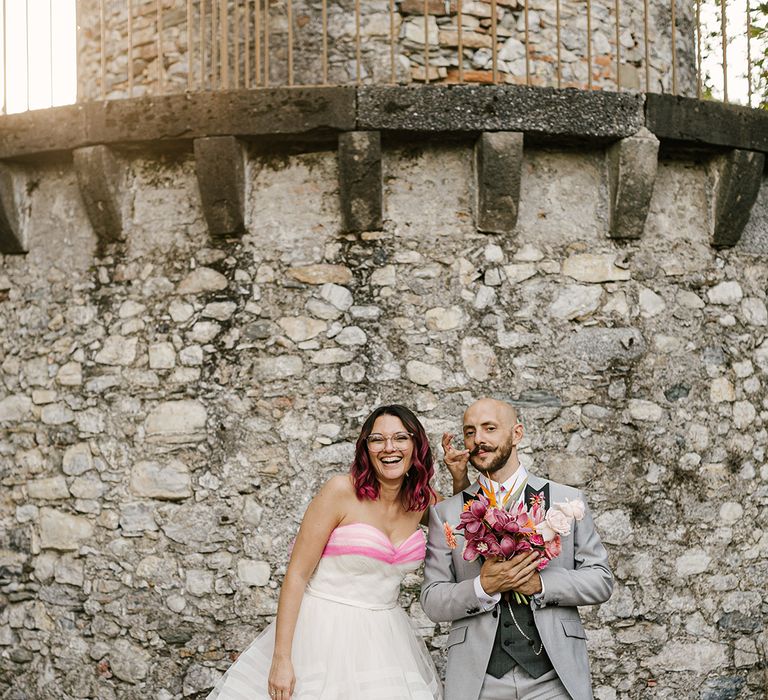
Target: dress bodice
{"x": 360, "y": 566}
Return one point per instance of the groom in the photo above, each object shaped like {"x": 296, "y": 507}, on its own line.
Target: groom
{"x": 498, "y": 649}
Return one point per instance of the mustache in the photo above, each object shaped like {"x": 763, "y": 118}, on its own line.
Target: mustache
{"x": 476, "y": 451}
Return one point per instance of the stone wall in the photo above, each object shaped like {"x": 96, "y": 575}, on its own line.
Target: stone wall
{"x": 170, "y": 404}
{"x": 407, "y": 25}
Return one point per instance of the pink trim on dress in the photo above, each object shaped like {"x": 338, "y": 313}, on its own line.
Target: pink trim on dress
{"x": 355, "y": 539}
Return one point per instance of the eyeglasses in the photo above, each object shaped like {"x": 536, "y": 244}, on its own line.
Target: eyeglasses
{"x": 400, "y": 441}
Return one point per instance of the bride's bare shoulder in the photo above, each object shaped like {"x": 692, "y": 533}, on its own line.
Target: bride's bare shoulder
{"x": 339, "y": 486}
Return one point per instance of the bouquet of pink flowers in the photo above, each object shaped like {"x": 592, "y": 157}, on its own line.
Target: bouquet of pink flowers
{"x": 492, "y": 531}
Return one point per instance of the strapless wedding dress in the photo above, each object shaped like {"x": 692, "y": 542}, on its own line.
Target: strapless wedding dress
{"x": 352, "y": 640}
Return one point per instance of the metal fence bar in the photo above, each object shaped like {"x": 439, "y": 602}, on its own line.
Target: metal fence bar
{"x": 527, "y": 47}
{"x": 749, "y": 56}
{"x": 426, "y": 40}
{"x": 102, "y": 54}
{"x": 5, "y": 58}
{"x": 647, "y": 42}
{"x": 357, "y": 42}
{"x": 495, "y": 41}
{"x": 324, "y": 12}
{"x": 559, "y": 57}
{"x": 589, "y": 44}
{"x": 160, "y": 67}
{"x": 698, "y": 49}
{"x": 201, "y": 44}
{"x": 257, "y": 40}
{"x": 189, "y": 45}
{"x": 618, "y": 47}
{"x": 247, "y": 33}
{"x": 460, "y": 49}
{"x": 289, "y": 10}
{"x": 673, "y": 22}
{"x": 392, "y": 41}
{"x": 50, "y": 46}
{"x": 266, "y": 43}
{"x": 214, "y": 45}
{"x": 224, "y": 44}
{"x": 724, "y": 28}
{"x": 130, "y": 48}
{"x": 236, "y": 32}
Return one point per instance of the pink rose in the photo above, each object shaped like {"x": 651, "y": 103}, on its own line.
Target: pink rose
{"x": 553, "y": 548}
{"x": 573, "y": 509}
{"x": 558, "y": 521}
{"x": 544, "y": 529}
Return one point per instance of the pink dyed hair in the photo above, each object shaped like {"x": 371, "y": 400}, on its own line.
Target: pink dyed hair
{"x": 415, "y": 492}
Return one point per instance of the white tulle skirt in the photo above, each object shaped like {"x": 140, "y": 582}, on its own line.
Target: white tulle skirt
{"x": 340, "y": 652}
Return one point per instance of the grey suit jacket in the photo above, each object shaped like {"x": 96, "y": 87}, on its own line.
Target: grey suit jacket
{"x": 579, "y": 576}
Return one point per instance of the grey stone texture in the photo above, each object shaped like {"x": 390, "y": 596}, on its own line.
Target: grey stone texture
{"x": 360, "y": 185}
{"x": 220, "y": 169}
{"x": 477, "y": 108}
{"x": 407, "y": 42}
{"x": 706, "y": 121}
{"x": 738, "y": 176}
{"x": 498, "y": 166}
{"x": 191, "y": 452}
{"x": 12, "y": 210}
{"x": 100, "y": 177}
{"x": 632, "y": 163}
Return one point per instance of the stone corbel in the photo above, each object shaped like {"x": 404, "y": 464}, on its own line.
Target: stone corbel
{"x": 14, "y": 212}
{"x": 498, "y": 165}
{"x": 360, "y": 181}
{"x": 737, "y": 177}
{"x": 632, "y": 163}
{"x": 220, "y": 169}
{"x": 101, "y": 179}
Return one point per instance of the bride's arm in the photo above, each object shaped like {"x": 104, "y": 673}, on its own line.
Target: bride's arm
{"x": 323, "y": 515}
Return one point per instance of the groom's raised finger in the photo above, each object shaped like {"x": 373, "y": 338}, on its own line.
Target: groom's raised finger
{"x": 447, "y": 437}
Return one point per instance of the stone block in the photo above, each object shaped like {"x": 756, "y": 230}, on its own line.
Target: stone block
{"x": 101, "y": 180}
{"x": 566, "y": 114}
{"x": 220, "y": 169}
{"x": 360, "y": 183}
{"x": 62, "y": 531}
{"x": 175, "y": 422}
{"x": 169, "y": 481}
{"x": 569, "y": 469}
{"x": 498, "y": 168}
{"x": 13, "y": 213}
{"x": 631, "y": 164}
{"x": 253, "y": 573}
{"x": 737, "y": 178}
{"x": 706, "y": 121}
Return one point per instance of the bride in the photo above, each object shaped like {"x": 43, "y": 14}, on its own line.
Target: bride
{"x": 339, "y": 632}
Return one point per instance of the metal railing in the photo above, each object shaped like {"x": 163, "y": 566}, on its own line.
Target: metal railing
{"x": 135, "y": 47}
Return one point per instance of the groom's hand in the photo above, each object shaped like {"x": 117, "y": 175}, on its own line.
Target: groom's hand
{"x": 456, "y": 461}
{"x": 515, "y": 574}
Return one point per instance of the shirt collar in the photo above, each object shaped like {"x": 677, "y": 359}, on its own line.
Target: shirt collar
{"x": 509, "y": 485}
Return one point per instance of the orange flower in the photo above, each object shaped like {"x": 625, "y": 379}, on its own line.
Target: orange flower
{"x": 450, "y": 539}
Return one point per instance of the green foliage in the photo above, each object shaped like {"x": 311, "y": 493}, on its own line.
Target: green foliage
{"x": 759, "y": 32}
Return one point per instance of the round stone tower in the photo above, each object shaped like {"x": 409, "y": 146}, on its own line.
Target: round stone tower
{"x": 215, "y": 44}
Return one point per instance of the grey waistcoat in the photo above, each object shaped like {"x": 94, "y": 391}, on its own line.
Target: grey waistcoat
{"x": 510, "y": 647}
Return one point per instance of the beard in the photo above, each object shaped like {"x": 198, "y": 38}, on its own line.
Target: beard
{"x": 501, "y": 456}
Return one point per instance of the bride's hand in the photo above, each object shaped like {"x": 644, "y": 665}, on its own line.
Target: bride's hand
{"x": 456, "y": 461}
{"x": 282, "y": 680}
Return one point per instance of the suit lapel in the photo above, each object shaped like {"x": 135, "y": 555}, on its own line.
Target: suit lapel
{"x": 470, "y": 492}
{"x": 537, "y": 488}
